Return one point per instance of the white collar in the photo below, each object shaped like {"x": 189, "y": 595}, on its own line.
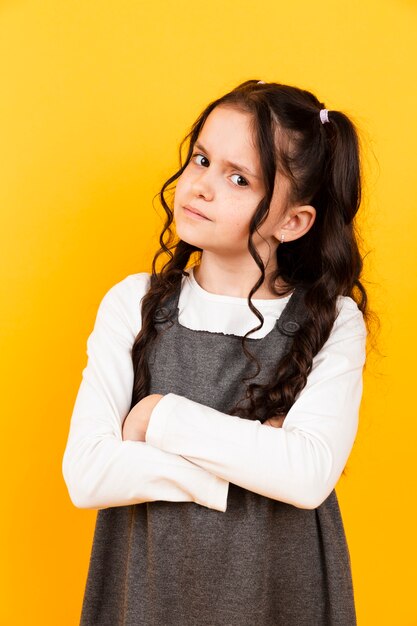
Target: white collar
{"x": 201, "y": 310}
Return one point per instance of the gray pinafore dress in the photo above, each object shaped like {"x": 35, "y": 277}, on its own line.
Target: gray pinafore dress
{"x": 262, "y": 562}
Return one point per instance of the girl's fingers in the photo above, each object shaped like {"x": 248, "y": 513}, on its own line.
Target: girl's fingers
{"x": 276, "y": 422}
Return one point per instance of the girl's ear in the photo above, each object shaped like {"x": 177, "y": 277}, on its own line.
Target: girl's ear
{"x": 299, "y": 221}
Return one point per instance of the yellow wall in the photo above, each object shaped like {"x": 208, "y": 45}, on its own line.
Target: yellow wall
{"x": 95, "y": 97}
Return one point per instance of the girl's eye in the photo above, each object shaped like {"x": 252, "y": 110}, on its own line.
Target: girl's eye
{"x": 238, "y": 175}
{"x": 241, "y": 177}
{"x": 197, "y": 155}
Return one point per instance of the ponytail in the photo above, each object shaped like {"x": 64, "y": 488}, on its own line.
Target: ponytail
{"x": 344, "y": 164}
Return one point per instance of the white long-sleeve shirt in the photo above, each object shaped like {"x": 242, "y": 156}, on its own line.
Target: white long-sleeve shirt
{"x": 192, "y": 452}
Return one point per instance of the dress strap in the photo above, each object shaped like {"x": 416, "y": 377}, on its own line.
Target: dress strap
{"x": 168, "y": 312}
{"x": 294, "y": 312}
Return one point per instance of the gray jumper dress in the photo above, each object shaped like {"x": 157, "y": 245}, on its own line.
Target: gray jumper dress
{"x": 262, "y": 562}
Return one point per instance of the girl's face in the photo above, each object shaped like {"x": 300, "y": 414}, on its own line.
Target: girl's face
{"x": 223, "y": 181}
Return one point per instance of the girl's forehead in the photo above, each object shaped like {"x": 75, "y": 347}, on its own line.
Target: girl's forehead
{"x": 228, "y": 119}
{"x": 227, "y": 134}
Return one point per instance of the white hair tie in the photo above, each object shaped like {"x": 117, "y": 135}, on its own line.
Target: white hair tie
{"x": 324, "y": 116}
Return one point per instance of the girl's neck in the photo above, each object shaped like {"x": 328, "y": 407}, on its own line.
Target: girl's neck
{"x": 227, "y": 284}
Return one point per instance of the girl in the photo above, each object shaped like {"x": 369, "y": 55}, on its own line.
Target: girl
{"x": 211, "y": 448}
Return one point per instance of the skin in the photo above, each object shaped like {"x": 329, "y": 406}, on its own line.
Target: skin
{"x": 137, "y": 420}
{"x": 228, "y": 197}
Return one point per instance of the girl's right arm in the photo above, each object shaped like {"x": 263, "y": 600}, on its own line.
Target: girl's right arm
{"x": 99, "y": 468}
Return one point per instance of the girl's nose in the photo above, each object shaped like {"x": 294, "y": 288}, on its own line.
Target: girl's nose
{"x": 203, "y": 186}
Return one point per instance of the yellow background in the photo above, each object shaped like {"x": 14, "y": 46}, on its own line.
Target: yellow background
{"x": 95, "y": 97}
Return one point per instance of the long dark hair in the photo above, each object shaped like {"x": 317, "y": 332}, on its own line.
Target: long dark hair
{"x": 322, "y": 162}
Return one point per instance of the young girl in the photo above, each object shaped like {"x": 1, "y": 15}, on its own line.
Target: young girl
{"x": 211, "y": 444}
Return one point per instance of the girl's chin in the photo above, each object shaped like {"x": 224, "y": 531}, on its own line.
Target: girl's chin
{"x": 192, "y": 241}
{"x": 188, "y": 235}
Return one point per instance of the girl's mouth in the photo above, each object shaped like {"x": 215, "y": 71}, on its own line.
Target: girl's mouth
{"x": 194, "y": 215}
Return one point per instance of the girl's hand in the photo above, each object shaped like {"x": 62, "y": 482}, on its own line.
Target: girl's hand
{"x": 137, "y": 420}
{"x": 276, "y": 422}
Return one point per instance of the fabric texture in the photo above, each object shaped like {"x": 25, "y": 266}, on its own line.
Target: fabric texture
{"x": 196, "y": 450}
{"x": 259, "y": 562}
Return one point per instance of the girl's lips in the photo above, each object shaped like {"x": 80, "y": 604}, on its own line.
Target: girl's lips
{"x": 191, "y": 213}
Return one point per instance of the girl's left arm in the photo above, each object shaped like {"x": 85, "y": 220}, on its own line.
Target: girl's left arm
{"x": 299, "y": 463}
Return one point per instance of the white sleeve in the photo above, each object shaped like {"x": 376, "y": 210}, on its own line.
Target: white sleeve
{"x": 99, "y": 468}
{"x": 299, "y": 463}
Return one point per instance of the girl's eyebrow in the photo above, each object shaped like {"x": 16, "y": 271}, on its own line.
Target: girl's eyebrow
{"x": 234, "y": 165}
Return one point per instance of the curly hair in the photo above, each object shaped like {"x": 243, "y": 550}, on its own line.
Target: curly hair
{"x": 322, "y": 163}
